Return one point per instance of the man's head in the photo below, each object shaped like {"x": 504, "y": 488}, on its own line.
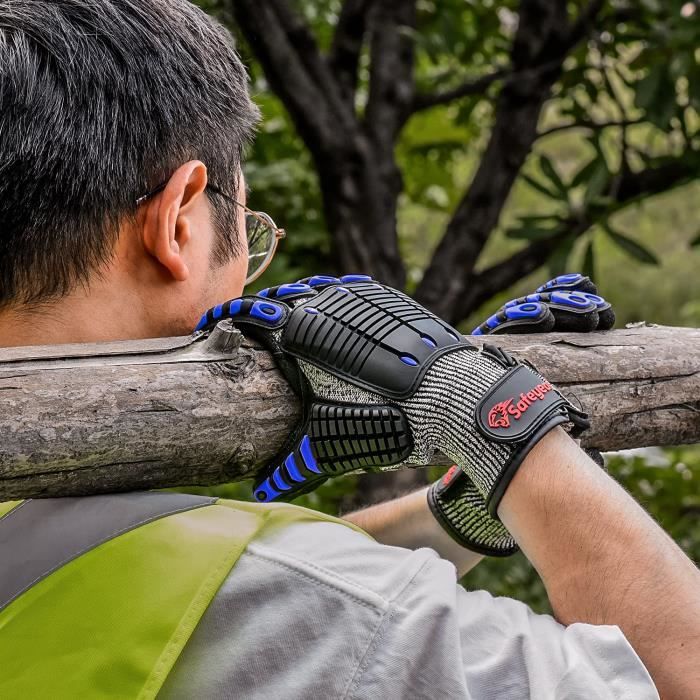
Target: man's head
{"x": 101, "y": 101}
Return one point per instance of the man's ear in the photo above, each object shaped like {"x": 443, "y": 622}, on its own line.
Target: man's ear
{"x": 167, "y": 227}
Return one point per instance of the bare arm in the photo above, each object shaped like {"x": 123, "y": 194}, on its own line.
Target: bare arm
{"x": 605, "y": 561}
{"x": 408, "y": 522}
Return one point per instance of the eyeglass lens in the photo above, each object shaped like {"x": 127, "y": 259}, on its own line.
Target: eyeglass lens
{"x": 261, "y": 237}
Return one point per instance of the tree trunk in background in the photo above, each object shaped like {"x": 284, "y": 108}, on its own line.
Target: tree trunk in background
{"x": 85, "y": 419}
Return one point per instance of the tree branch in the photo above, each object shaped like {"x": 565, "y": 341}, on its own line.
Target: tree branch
{"x": 590, "y": 125}
{"x": 296, "y": 71}
{"x": 476, "y": 86}
{"x": 536, "y": 58}
{"x": 135, "y": 415}
{"x": 504, "y": 274}
{"x": 346, "y": 48}
{"x": 391, "y": 86}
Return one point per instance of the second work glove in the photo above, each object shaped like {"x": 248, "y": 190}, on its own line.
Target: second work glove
{"x": 384, "y": 382}
{"x": 567, "y": 303}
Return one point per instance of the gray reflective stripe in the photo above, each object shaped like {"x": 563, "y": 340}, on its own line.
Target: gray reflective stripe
{"x": 40, "y": 536}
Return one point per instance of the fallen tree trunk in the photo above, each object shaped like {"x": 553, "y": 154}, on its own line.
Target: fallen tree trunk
{"x": 82, "y": 419}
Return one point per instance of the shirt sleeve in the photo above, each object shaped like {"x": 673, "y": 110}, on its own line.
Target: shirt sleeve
{"x": 440, "y": 641}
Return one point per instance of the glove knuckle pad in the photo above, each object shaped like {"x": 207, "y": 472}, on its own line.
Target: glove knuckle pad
{"x": 370, "y": 335}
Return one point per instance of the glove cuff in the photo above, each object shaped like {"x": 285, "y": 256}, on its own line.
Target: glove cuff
{"x": 459, "y": 508}
{"x": 518, "y": 411}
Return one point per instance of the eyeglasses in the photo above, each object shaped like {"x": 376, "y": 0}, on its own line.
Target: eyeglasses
{"x": 262, "y": 233}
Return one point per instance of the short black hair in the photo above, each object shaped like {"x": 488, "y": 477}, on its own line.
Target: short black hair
{"x": 100, "y": 101}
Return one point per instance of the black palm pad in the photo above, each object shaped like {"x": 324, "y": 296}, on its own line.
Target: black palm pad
{"x": 338, "y": 439}
{"x": 370, "y": 335}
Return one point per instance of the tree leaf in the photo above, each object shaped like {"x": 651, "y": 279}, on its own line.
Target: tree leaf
{"x": 588, "y": 264}
{"x": 552, "y": 175}
{"x": 631, "y": 247}
{"x": 540, "y": 187}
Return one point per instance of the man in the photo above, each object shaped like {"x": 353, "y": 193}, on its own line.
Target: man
{"x": 122, "y": 207}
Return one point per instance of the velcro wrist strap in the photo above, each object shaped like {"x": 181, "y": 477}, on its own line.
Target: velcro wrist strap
{"x": 518, "y": 410}
{"x": 516, "y": 406}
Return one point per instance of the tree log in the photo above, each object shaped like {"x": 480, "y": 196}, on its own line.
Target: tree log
{"x": 83, "y": 419}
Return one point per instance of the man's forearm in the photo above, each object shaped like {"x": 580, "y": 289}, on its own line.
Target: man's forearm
{"x": 605, "y": 561}
{"x": 408, "y": 522}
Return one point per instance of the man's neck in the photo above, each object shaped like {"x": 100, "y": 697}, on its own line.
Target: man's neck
{"x": 77, "y": 319}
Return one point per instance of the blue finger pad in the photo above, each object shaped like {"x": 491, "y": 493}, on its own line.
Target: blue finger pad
{"x": 266, "y": 311}
{"x": 235, "y": 307}
{"x": 202, "y": 323}
{"x": 308, "y": 456}
{"x": 492, "y": 321}
{"x": 279, "y": 482}
{"x": 295, "y": 288}
{"x": 570, "y": 278}
{"x": 217, "y": 310}
{"x": 598, "y": 301}
{"x": 576, "y": 301}
{"x": 515, "y": 313}
{"x": 317, "y": 280}
{"x": 264, "y": 292}
{"x": 266, "y": 492}
{"x": 408, "y": 360}
{"x": 347, "y": 279}
{"x": 477, "y": 331}
{"x": 291, "y": 464}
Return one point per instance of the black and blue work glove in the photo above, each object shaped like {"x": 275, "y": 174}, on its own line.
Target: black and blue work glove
{"x": 567, "y": 303}
{"x": 383, "y": 382}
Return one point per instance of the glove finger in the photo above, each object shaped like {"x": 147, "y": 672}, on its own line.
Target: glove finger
{"x": 518, "y": 316}
{"x": 576, "y": 282}
{"x": 321, "y": 281}
{"x": 571, "y": 282}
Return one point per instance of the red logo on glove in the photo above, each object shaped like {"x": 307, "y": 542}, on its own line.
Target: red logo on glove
{"x": 501, "y": 413}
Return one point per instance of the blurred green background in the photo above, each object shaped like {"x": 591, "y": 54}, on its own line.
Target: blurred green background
{"x": 624, "y": 106}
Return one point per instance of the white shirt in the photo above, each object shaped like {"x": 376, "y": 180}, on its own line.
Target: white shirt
{"x": 317, "y": 610}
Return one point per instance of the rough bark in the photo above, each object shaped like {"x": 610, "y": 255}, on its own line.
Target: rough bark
{"x": 172, "y": 412}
